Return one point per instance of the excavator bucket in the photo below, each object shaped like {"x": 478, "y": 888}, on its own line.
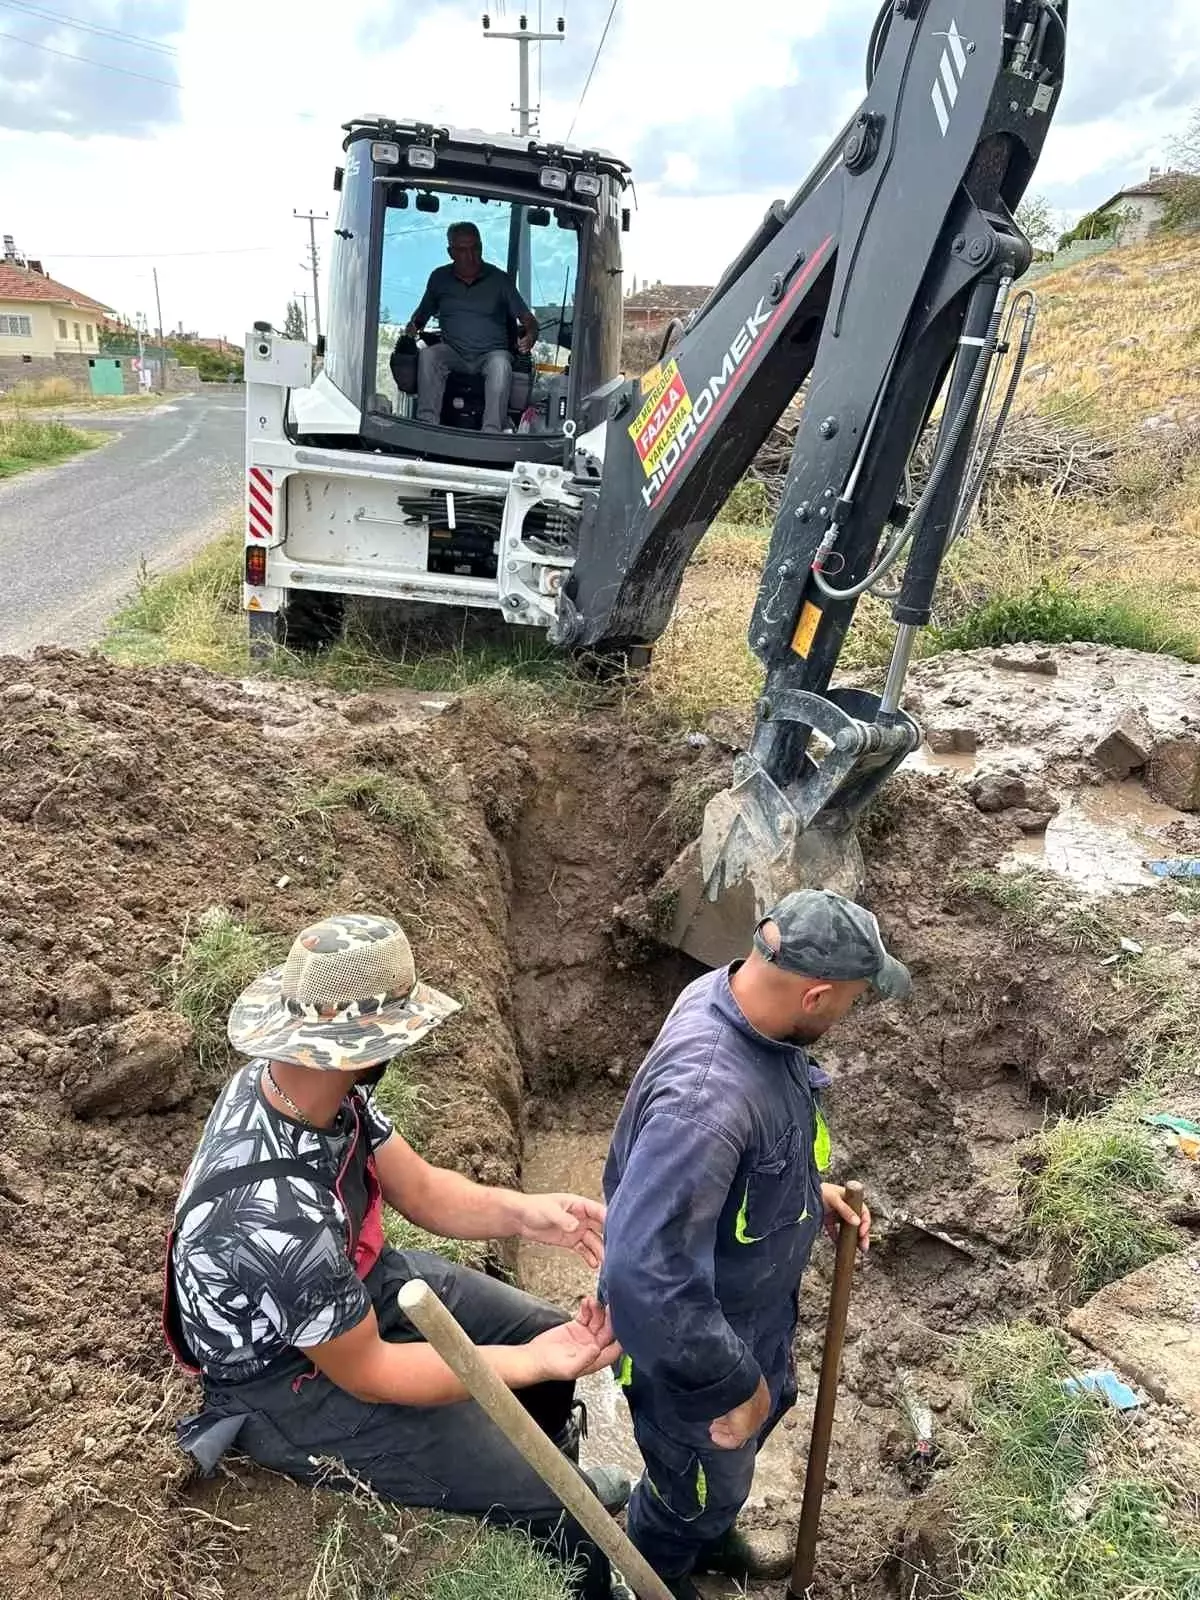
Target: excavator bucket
{"x": 752, "y": 850}
{"x": 759, "y": 842}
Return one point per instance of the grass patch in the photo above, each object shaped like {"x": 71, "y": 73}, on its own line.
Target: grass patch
{"x": 402, "y": 1234}
{"x": 1020, "y": 897}
{"x": 401, "y": 804}
{"x": 214, "y": 966}
{"x": 493, "y": 1565}
{"x": 193, "y": 615}
{"x": 26, "y": 443}
{"x": 1050, "y": 614}
{"x": 1087, "y": 1198}
{"x": 1051, "y": 1502}
{"x": 403, "y": 1103}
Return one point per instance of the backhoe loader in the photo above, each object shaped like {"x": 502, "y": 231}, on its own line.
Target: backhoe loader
{"x": 884, "y": 289}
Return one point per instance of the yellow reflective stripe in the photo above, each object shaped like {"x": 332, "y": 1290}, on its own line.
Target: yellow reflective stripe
{"x": 740, "y": 1227}
{"x": 701, "y": 1486}
{"x": 821, "y": 1143}
{"x": 624, "y": 1373}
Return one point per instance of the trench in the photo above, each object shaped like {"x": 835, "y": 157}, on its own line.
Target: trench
{"x": 926, "y": 1109}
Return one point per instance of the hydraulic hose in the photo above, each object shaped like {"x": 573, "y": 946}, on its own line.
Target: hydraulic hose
{"x": 953, "y": 438}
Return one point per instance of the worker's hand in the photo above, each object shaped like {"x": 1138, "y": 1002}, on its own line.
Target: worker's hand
{"x": 736, "y": 1427}
{"x": 566, "y": 1220}
{"x": 837, "y": 1211}
{"x": 579, "y": 1348}
{"x": 525, "y": 343}
{"x": 411, "y": 330}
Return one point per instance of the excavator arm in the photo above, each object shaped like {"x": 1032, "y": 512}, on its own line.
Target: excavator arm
{"x": 882, "y": 284}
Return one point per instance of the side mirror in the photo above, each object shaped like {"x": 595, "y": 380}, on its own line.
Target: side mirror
{"x": 338, "y": 174}
{"x": 321, "y": 346}
{"x": 539, "y": 217}
{"x": 625, "y": 219}
{"x": 428, "y": 202}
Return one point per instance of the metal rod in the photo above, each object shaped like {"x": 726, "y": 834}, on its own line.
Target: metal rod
{"x": 893, "y": 689}
{"x": 822, "y": 1428}
{"x": 431, "y": 1318}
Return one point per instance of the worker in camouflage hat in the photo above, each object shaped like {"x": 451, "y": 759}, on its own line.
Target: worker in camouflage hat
{"x": 281, "y": 1286}
{"x": 717, "y": 1185}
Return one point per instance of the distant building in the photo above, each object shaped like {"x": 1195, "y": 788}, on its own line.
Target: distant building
{"x": 1142, "y": 206}
{"x": 652, "y": 307}
{"x": 41, "y": 319}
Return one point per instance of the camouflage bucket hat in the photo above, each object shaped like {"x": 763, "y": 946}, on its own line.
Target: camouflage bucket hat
{"x": 347, "y": 998}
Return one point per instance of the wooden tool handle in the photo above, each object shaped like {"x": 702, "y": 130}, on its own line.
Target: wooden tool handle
{"x": 822, "y": 1427}
{"x": 422, "y": 1306}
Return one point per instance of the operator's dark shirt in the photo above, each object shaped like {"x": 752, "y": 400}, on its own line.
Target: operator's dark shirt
{"x": 474, "y": 317}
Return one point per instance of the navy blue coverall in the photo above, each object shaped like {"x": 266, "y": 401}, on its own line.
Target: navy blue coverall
{"x": 714, "y": 1201}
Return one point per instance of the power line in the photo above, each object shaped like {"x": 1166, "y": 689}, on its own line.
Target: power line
{"x": 588, "y": 82}
{"x": 158, "y": 255}
{"x": 139, "y": 39}
{"x": 105, "y": 66}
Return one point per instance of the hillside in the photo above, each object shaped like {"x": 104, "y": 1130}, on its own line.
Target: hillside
{"x": 1091, "y": 527}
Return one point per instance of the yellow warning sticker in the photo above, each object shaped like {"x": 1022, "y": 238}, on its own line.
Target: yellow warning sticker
{"x": 661, "y": 417}
{"x": 652, "y": 379}
{"x": 806, "y": 630}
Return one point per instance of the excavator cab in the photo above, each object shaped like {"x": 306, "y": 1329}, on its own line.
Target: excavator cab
{"x": 548, "y": 216}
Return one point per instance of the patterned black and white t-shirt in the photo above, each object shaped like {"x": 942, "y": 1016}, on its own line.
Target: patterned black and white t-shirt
{"x": 263, "y": 1268}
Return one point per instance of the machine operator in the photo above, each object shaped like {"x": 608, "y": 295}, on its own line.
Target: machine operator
{"x": 475, "y": 304}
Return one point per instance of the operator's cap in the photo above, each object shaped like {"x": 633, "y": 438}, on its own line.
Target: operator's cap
{"x": 824, "y": 935}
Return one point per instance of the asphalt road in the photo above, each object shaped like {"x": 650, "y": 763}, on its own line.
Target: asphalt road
{"x": 72, "y": 537}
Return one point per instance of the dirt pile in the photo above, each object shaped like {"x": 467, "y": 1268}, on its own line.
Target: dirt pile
{"x": 139, "y": 800}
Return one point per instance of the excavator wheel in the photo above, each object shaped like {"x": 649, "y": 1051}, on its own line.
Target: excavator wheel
{"x": 311, "y": 622}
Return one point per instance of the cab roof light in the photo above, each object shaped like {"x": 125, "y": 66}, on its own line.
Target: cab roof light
{"x": 385, "y": 152}
{"x": 587, "y": 183}
{"x": 553, "y": 178}
{"x": 422, "y": 156}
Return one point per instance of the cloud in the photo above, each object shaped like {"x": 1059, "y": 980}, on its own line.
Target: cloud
{"x": 43, "y": 90}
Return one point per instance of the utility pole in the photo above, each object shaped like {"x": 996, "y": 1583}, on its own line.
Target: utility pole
{"x": 313, "y": 259}
{"x": 299, "y": 294}
{"x": 526, "y": 113}
{"x": 518, "y": 241}
{"x": 162, "y": 349}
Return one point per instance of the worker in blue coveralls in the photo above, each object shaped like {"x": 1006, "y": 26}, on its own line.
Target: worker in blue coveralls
{"x": 715, "y": 1198}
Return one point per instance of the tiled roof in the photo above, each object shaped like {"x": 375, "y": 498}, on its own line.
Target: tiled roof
{"x": 20, "y": 283}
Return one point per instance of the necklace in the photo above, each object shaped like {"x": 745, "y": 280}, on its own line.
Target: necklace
{"x": 287, "y": 1099}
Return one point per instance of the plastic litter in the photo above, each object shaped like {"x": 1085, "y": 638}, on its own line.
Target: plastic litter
{"x": 918, "y": 1415}
{"x": 1189, "y": 868}
{"x": 1187, "y": 1133}
{"x": 1104, "y": 1382}
{"x": 1164, "y": 1119}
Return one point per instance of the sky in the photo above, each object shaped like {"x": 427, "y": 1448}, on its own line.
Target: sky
{"x": 225, "y": 118}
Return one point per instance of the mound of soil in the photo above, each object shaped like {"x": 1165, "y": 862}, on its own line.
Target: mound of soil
{"x": 137, "y": 800}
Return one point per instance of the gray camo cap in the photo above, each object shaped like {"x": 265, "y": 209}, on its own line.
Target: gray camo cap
{"x": 824, "y": 935}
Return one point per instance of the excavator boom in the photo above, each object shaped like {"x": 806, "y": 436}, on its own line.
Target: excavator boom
{"x": 881, "y": 286}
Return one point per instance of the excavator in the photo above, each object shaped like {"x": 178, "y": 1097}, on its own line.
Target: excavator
{"x": 883, "y": 293}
